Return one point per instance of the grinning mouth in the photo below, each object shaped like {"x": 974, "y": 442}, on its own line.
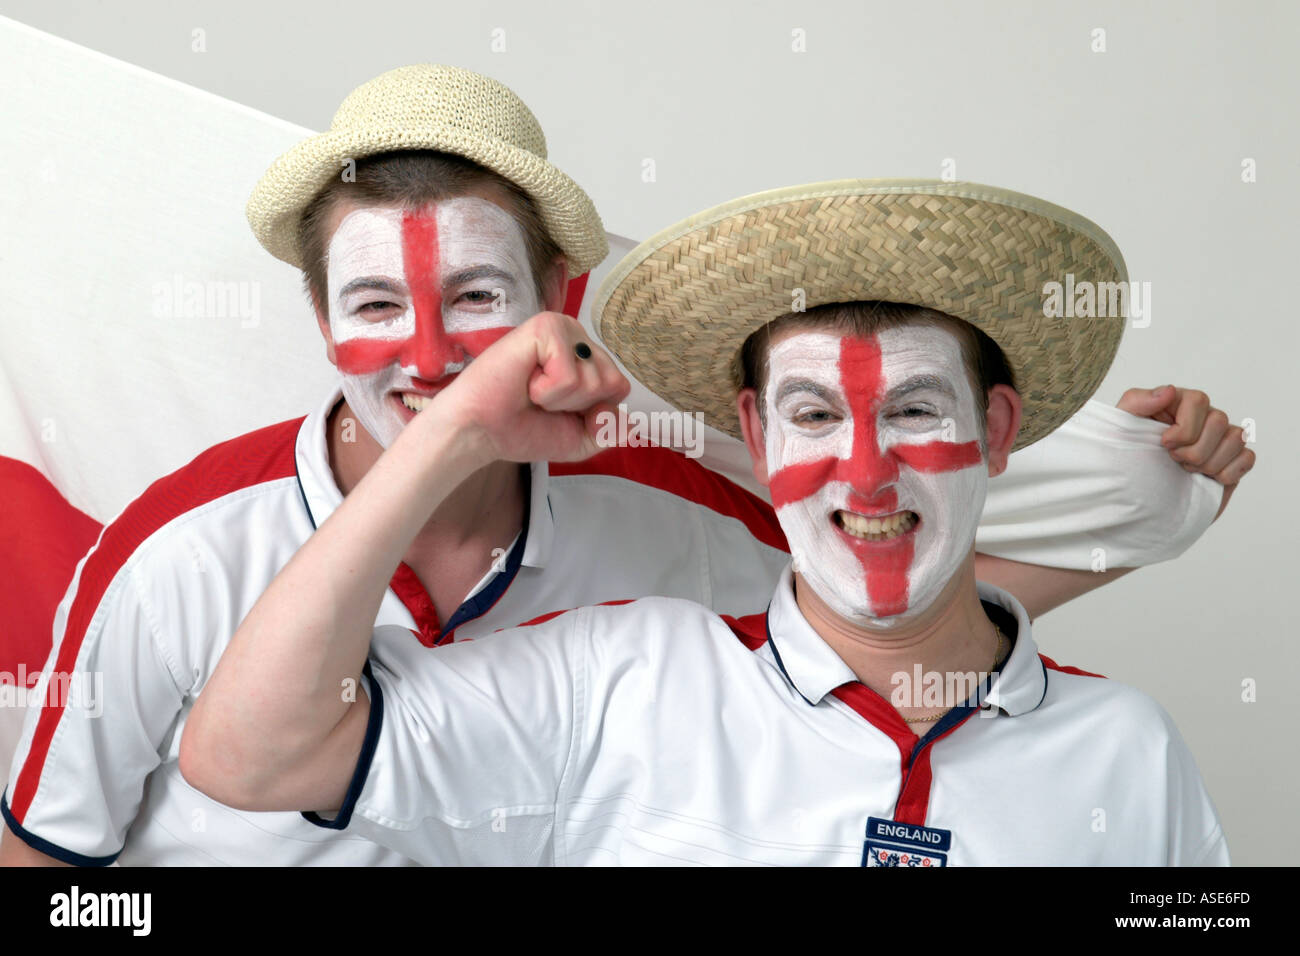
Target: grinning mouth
{"x": 417, "y": 401}
{"x": 881, "y": 528}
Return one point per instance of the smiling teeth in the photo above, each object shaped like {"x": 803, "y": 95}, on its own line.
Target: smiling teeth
{"x": 876, "y": 529}
{"x": 415, "y": 403}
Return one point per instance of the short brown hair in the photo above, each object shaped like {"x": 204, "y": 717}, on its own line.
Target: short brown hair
{"x": 986, "y": 365}
{"x": 410, "y": 179}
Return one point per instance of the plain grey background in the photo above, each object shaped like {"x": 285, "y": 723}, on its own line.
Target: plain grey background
{"x": 1147, "y": 138}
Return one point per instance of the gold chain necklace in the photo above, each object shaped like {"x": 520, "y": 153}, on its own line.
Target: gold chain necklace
{"x": 997, "y": 656}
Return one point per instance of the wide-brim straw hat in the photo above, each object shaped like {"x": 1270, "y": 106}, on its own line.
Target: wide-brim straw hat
{"x": 678, "y": 308}
{"x": 428, "y": 106}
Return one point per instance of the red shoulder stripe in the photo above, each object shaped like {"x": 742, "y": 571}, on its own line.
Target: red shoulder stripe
{"x": 260, "y": 456}
{"x": 1068, "y": 670}
{"x": 673, "y": 472}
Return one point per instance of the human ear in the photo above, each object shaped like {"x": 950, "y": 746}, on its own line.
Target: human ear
{"x": 751, "y": 427}
{"x": 556, "y": 286}
{"x": 1002, "y": 426}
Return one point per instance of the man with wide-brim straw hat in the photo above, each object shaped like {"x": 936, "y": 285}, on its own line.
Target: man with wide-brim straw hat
{"x": 659, "y": 732}
{"x": 696, "y": 311}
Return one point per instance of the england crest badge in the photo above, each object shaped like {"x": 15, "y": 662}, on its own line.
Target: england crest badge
{"x": 891, "y": 843}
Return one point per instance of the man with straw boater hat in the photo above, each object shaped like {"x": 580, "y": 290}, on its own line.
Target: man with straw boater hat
{"x": 427, "y": 223}
{"x": 886, "y": 709}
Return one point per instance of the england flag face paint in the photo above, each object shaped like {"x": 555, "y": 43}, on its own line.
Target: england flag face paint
{"x": 414, "y": 296}
{"x": 875, "y": 463}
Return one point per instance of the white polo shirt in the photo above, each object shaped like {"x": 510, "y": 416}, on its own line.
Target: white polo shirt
{"x": 651, "y": 733}
{"x": 154, "y": 604}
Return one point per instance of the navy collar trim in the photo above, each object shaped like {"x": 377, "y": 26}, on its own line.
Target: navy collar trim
{"x": 484, "y": 600}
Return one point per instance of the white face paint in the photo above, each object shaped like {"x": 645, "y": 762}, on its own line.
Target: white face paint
{"x": 862, "y": 429}
{"x": 414, "y": 296}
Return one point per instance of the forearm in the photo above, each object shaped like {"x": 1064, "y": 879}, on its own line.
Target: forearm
{"x": 1038, "y": 588}
{"x": 279, "y": 690}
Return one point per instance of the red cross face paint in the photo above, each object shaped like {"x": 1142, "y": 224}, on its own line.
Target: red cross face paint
{"x": 876, "y": 469}
{"x": 414, "y": 296}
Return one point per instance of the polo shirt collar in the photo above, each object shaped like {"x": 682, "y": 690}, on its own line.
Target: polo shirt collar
{"x": 541, "y": 520}
{"x": 808, "y": 661}
{"x": 1021, "y": 685}
{"x": 321, "y": 493}
{"x": 814, "y": 669}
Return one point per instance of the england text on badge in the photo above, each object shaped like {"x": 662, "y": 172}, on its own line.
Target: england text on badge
{"x": 891, "y": 843}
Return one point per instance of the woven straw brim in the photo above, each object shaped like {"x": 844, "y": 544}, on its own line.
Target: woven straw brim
{"x": 678, "y": 308}
{"x": 294, "y": 179}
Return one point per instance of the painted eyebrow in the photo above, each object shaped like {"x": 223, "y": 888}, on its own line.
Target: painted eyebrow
{"x": 380, "y": 284}
{"x": 474, "y": 273}
{"x": 372, "y": 282}
{"x": 919, "y": 382}
{"x": 790, "y": 386}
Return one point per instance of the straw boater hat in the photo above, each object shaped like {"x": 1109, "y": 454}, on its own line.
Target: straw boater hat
{"x": 429, "y": 107}
{"x": 677, "y": 309}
